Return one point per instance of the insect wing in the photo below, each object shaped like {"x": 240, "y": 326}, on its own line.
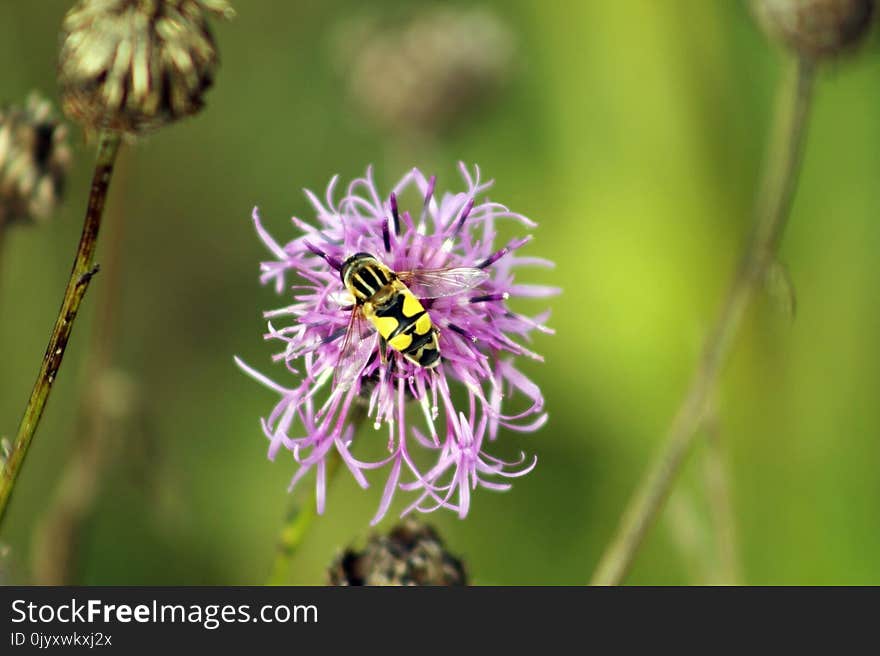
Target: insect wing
{"x": 358, "y": 345}
{"x": 341, "y": 299}
{"x": 434, "y": 283}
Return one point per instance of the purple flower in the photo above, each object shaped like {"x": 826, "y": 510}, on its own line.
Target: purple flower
{"x": 480, "y": 339}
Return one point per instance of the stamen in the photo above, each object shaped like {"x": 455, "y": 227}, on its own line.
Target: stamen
{"x": 497, "y": 255}
{"x": 395, "y": 213}
{"x": 464, "y": 215}
{"x": 461, "y": 331}
{"x": 490, "y": 297}
{"x": 336, "y": 334}
{"x": 386, "y": 236}
{"x": 332, "y": 261}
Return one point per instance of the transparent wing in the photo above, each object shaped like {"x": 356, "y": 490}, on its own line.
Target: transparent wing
{"x": 434, "y": 283}
{"x": 342, "y": 299}
{"x": 358, "y": 345}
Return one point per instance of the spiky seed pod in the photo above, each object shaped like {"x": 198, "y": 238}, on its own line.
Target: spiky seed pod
{"x": 137, "y": 65}
{"x": 34, "y": 160}
{"x": 411, "y": 554}
{"x": 816, "y": 29}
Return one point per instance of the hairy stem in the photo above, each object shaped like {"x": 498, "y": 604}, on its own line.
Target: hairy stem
{"x": 297, "y": 522}
{"x": 780, "y": 179}
{"x": 80, "y": 276}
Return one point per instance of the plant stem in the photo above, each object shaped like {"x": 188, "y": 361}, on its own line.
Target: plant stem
{"x": 296, "y": 524}
{"x": 720, "y": 502}
{"x": 780, "y": 179}
{"x": 688, "y": 532}
{"x": 3, "y": 229}
{"x": 58, "y": 537}
{"x": 80, "y": 276}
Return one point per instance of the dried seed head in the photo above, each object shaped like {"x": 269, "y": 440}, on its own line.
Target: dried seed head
{"x": 411, "y": 554}
{"x": 136, "y": 65}
{"x": 424, "y": 74}
{"x": 34, "y": 160}
{"x": 816, "y": 29}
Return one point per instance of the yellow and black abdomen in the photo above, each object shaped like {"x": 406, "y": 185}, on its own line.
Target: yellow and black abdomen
{"x": 395, "y": 312}
{"x": 405, "y": 325}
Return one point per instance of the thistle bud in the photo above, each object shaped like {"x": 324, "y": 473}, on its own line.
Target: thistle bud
{"x": 816, "y": 29}
{"x": 411, "y": 554}
{"x": 137, "y": 65}
{"x": 34, "y": 160}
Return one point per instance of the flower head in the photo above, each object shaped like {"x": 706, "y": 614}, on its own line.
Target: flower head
{"x": 427, "y": 72}
{"x": 34, "y": 160}
{"x": 480, "y": 340}
{"x": 136, "y": 65}
{"x": 411, "y": 554}
{"x": 816, "y": 29}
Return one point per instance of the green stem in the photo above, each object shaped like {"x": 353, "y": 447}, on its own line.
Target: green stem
{"x": 779, "y": 183}
{"x": 3, "y": 229}
{"x": 721, "y": 502}
{"x": 80, "y": 276}
{"x": 296, "y": 524}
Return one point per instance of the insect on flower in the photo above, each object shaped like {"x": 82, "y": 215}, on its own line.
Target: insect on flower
{"x": 387, "y": 299}
{"x": 389, "y": 312}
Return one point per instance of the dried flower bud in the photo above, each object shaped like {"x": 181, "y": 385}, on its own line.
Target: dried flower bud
{"x": 137, "y": 65}
{"x": 424, "y": 74}
{"x": 816, "y": 29}
{"x": 411, "y": 554}
{"x": 34, "y": 160}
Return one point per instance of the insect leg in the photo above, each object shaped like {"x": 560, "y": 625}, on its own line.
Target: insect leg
{"x": 383, "y": 350}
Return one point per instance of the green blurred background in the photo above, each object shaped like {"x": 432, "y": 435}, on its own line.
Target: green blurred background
{"x": 633, "y": 133}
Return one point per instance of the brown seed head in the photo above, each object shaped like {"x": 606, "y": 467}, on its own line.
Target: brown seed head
{"x": 34, "y": 160}
{"x": 136, "y": 65}
{"x": 816, "y": 29}
{"x": 411, "y": 554}
{"x": 424, "y": 74}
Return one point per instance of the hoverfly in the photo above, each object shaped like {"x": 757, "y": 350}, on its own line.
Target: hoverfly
{"x": 389, "y": 300}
